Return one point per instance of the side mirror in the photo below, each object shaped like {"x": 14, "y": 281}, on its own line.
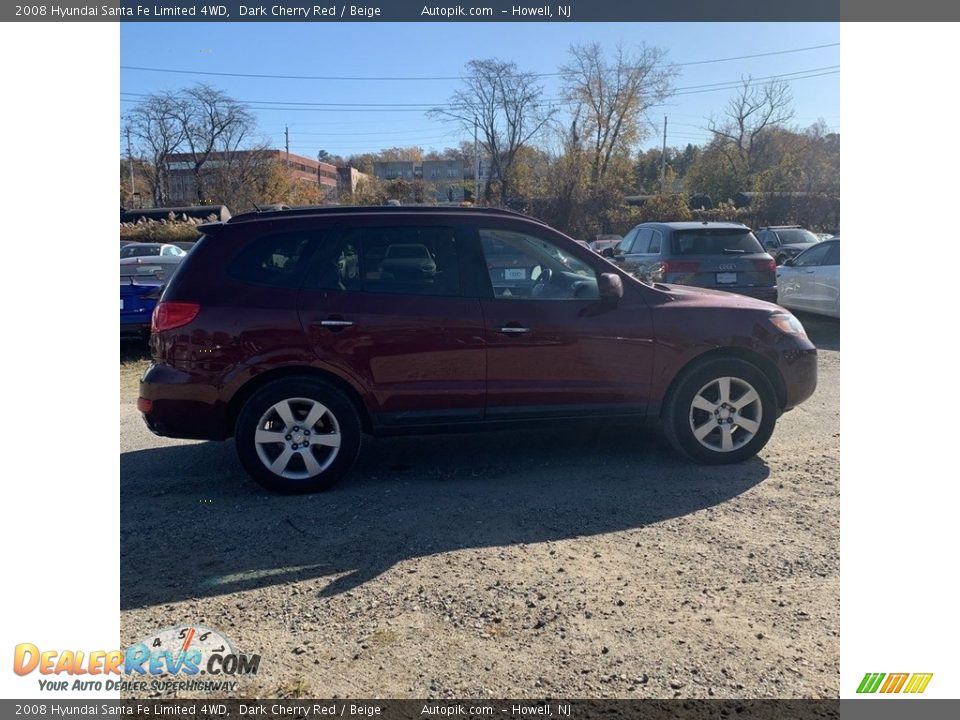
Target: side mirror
{"x": 607, "y": 252}
{"x": 610, "y": 286}
{"x": 788, "y": 262}
{"x": 770, "y": 245}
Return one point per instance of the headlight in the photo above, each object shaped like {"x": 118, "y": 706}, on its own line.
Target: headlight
{"x": 787, "y": 323}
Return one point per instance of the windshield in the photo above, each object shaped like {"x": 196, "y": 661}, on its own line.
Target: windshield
{"x": 797, "y": 235}
{"x": 715, "y": 241}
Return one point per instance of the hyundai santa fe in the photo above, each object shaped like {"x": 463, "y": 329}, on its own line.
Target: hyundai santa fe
{"x": 297, "y": 331}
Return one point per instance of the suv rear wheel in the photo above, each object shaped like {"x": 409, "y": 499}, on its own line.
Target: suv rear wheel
{"x": 721, "y": 411}
{"x": 297, "y": 435}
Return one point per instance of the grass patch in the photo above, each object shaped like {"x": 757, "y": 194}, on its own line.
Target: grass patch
{"x": 295, "y": 688}
{"x": 381, "y": 637}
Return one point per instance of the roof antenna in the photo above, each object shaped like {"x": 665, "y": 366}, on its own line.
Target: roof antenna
{"x": 256, "y": 207}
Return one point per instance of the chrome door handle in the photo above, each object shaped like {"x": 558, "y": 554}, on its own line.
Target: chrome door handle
{"x": 336, "y": 323}
{"x": 513, "y": 330}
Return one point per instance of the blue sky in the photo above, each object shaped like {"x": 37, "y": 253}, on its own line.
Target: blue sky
{"x": 442, "y": 49}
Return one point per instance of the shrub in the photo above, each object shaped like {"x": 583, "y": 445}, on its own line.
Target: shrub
{"x": 161, "y": 230}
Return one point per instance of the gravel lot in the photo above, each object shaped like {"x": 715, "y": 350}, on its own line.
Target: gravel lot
{"x": 581, "y": 562}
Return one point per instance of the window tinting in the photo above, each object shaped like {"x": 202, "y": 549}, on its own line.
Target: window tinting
{"x": 398, "y": 260}
{"x": 715, "y": 242}
{"x": 274, "y": 259}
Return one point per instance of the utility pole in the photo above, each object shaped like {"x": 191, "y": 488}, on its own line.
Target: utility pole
{"x": 286, "y": 135}
{"x": 663, "y": 156}
{"x": 133, "y": 186}
{"x": 476, "y": 165}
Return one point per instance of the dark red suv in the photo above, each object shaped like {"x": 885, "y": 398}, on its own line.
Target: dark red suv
{"x": 297, "y": 331}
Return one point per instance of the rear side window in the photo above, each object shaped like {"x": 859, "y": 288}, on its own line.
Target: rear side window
{"x": 714, "y": 241}
{"x": 275, "y": 259}
{"x": 407, "y": 260}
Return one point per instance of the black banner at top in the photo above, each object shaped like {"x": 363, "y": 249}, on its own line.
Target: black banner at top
{"x": 335, "y": 11}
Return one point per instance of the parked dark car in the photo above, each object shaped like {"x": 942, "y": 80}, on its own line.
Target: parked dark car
{"x": 721, "y": 256}
{"x": 283, "y": 330}
{"x": 786, "y": 241}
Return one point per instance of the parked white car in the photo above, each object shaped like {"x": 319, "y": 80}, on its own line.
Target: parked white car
{"x": 811, "y": 281}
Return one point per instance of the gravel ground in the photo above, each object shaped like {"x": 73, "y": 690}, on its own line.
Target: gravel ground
{"x": 579, "y": 562}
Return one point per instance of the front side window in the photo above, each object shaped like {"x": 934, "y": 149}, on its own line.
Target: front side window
{"x": 627, "y": 243}
{"x": 523, "y": 266}
{"x": 813, "y": 256}
{"x": 643, "y": 241}
{"x": 833, "y": 257}
{"x": 655, "y": 242}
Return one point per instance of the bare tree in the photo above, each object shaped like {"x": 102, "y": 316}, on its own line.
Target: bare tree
{"x": 612, "y": 96}
{"x": 211, "y": 122}
{"x": 506, "y": 106}
{"x": 155, "y": 124}
{"x": 752, "y": 111}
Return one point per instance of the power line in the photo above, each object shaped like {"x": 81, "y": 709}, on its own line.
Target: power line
{"x": 422, "y": 106}
{"x": 448, "y": 77}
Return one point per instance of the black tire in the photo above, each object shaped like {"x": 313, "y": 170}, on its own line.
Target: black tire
{"x": 341, "y": 417}
{"x": 678, "y": 411}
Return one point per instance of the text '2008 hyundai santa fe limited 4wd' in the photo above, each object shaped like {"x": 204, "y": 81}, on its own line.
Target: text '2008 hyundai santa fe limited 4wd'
{"x": 297, "y": 331}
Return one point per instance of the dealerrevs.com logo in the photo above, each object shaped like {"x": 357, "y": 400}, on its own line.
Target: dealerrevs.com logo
{"x": 201, "y": 659}
{"x": 911, "y": 683}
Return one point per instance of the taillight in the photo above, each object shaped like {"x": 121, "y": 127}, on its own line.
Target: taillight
{"x": 765, "y": 265}
{"x": 679, "y": 266}
{"x": 170, "y": 315}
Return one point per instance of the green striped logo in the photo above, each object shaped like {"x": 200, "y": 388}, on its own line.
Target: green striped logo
{"x": 911, "y": 683}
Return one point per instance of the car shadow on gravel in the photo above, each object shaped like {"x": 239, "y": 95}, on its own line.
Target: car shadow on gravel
{"x": 193, "y": 526}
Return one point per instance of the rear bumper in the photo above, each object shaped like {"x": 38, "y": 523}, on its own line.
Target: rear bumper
{"x": 183, "y": 404}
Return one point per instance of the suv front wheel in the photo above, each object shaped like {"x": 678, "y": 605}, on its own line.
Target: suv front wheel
{"x": 721, "y": 411}
{"x": 297, "y": 435}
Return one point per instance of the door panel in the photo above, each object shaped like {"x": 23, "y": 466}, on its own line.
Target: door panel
{"x": 576, "y": 357}
{"x": 384, "y": 304}
{"x": 422, "y": 358}
{"x": 557, "y": 349}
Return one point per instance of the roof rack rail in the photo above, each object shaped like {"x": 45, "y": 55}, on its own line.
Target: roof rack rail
{"x": 371, "y": 209}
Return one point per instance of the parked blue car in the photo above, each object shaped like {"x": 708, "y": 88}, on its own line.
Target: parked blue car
{"x": 141, "y": 282}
